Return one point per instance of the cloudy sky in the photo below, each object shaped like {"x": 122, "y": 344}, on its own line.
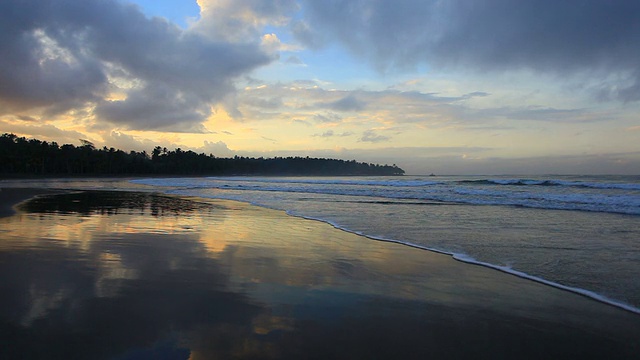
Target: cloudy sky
{"x": 446, "y": 87}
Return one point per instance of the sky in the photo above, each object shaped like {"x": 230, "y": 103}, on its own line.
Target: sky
{"x": 445, "y": 87}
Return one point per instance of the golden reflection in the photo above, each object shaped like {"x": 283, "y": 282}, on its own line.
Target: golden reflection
{"x": 110, "y": 271}
{"x": 271, "y": 247}
{"x": 255, "y": 246}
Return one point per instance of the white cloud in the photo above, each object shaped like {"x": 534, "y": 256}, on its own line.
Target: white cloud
{"x": 241, "y": 20}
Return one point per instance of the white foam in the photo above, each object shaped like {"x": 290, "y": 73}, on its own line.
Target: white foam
{"x": 580, "y": 291}
{"x": 565, "y": 183}
{"x": 452, "y": 192}
{"x": 395, "y": 182}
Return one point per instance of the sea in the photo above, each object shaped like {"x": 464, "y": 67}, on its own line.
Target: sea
{"x": 578, "y": 233}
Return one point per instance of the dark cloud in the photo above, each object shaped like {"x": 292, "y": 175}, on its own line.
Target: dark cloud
{"x": 26, "y": 118}
{"x": 68, "y": 54}
{"x": 157, "y": 107}
{"x": 596, "y": 37}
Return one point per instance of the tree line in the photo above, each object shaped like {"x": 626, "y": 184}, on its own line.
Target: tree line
{"x": 22, "y": 156}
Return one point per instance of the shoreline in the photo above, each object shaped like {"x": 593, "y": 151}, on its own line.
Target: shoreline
{"x": 462, "y": 258}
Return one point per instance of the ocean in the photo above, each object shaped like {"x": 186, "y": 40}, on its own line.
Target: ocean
{"x": 578, "y": 233}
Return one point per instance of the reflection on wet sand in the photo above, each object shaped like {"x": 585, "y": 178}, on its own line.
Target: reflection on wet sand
{"x": 128, "y": 275}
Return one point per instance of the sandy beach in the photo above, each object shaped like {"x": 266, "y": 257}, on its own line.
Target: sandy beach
{"x": 121, "y": 275}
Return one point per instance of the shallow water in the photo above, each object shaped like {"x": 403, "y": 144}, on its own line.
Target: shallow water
{"x": 116, "y": 275}
{"x": 578, "y": 232}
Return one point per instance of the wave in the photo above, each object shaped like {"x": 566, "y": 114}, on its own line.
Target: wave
{"x": 381, "y": 182}
{"x": 601, "y": 201}
{"x": 562, "y": 183}
{"x": 400, "y": 182}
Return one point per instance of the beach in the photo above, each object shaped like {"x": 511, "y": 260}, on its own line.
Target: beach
{"x": 131, "y": 275}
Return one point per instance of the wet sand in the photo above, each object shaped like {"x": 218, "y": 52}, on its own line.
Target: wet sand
{"x": 130, "y": 275}
{"x": 9, "y": 197}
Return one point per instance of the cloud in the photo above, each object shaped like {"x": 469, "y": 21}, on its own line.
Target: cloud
{"x": 45, "y": 132}
{"x": 303, "y": 32}
{"x": 326, "y": 134}
{"x": 592, "y": 37}
{"x": 309, "y": 102}
{"x": 123, "y": 141}
{"x": 26, "y": 118}
{"x": 536, "y": 113}
{"x": 156, "y": 108}
{"x": 371, "y": 136}
{"x": 267, "y": 103}
{"x": 294, "y": 60}
{"x": 326, "y": 119}
{"x": 127, "y": 142}
{"x": 218, "y": 148}
{"x": 242, "y": 20}
{"x": 301, "y": 122}
{"x": 476, "y": 94}
{"x": 331, "y": 133}
{"x": 347, "y": 103}
{"x": 138, "y": 72}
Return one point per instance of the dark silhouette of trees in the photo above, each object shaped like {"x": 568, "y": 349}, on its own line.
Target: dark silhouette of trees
{"x": 21, "y": 156}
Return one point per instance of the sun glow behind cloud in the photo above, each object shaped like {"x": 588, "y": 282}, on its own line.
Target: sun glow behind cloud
{"x": 389, "y": 82}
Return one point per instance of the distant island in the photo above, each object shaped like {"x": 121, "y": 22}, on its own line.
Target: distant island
{"x": 20, "y": 156}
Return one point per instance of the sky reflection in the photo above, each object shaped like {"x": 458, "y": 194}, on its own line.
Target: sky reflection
{"x": 115, "y": 275}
